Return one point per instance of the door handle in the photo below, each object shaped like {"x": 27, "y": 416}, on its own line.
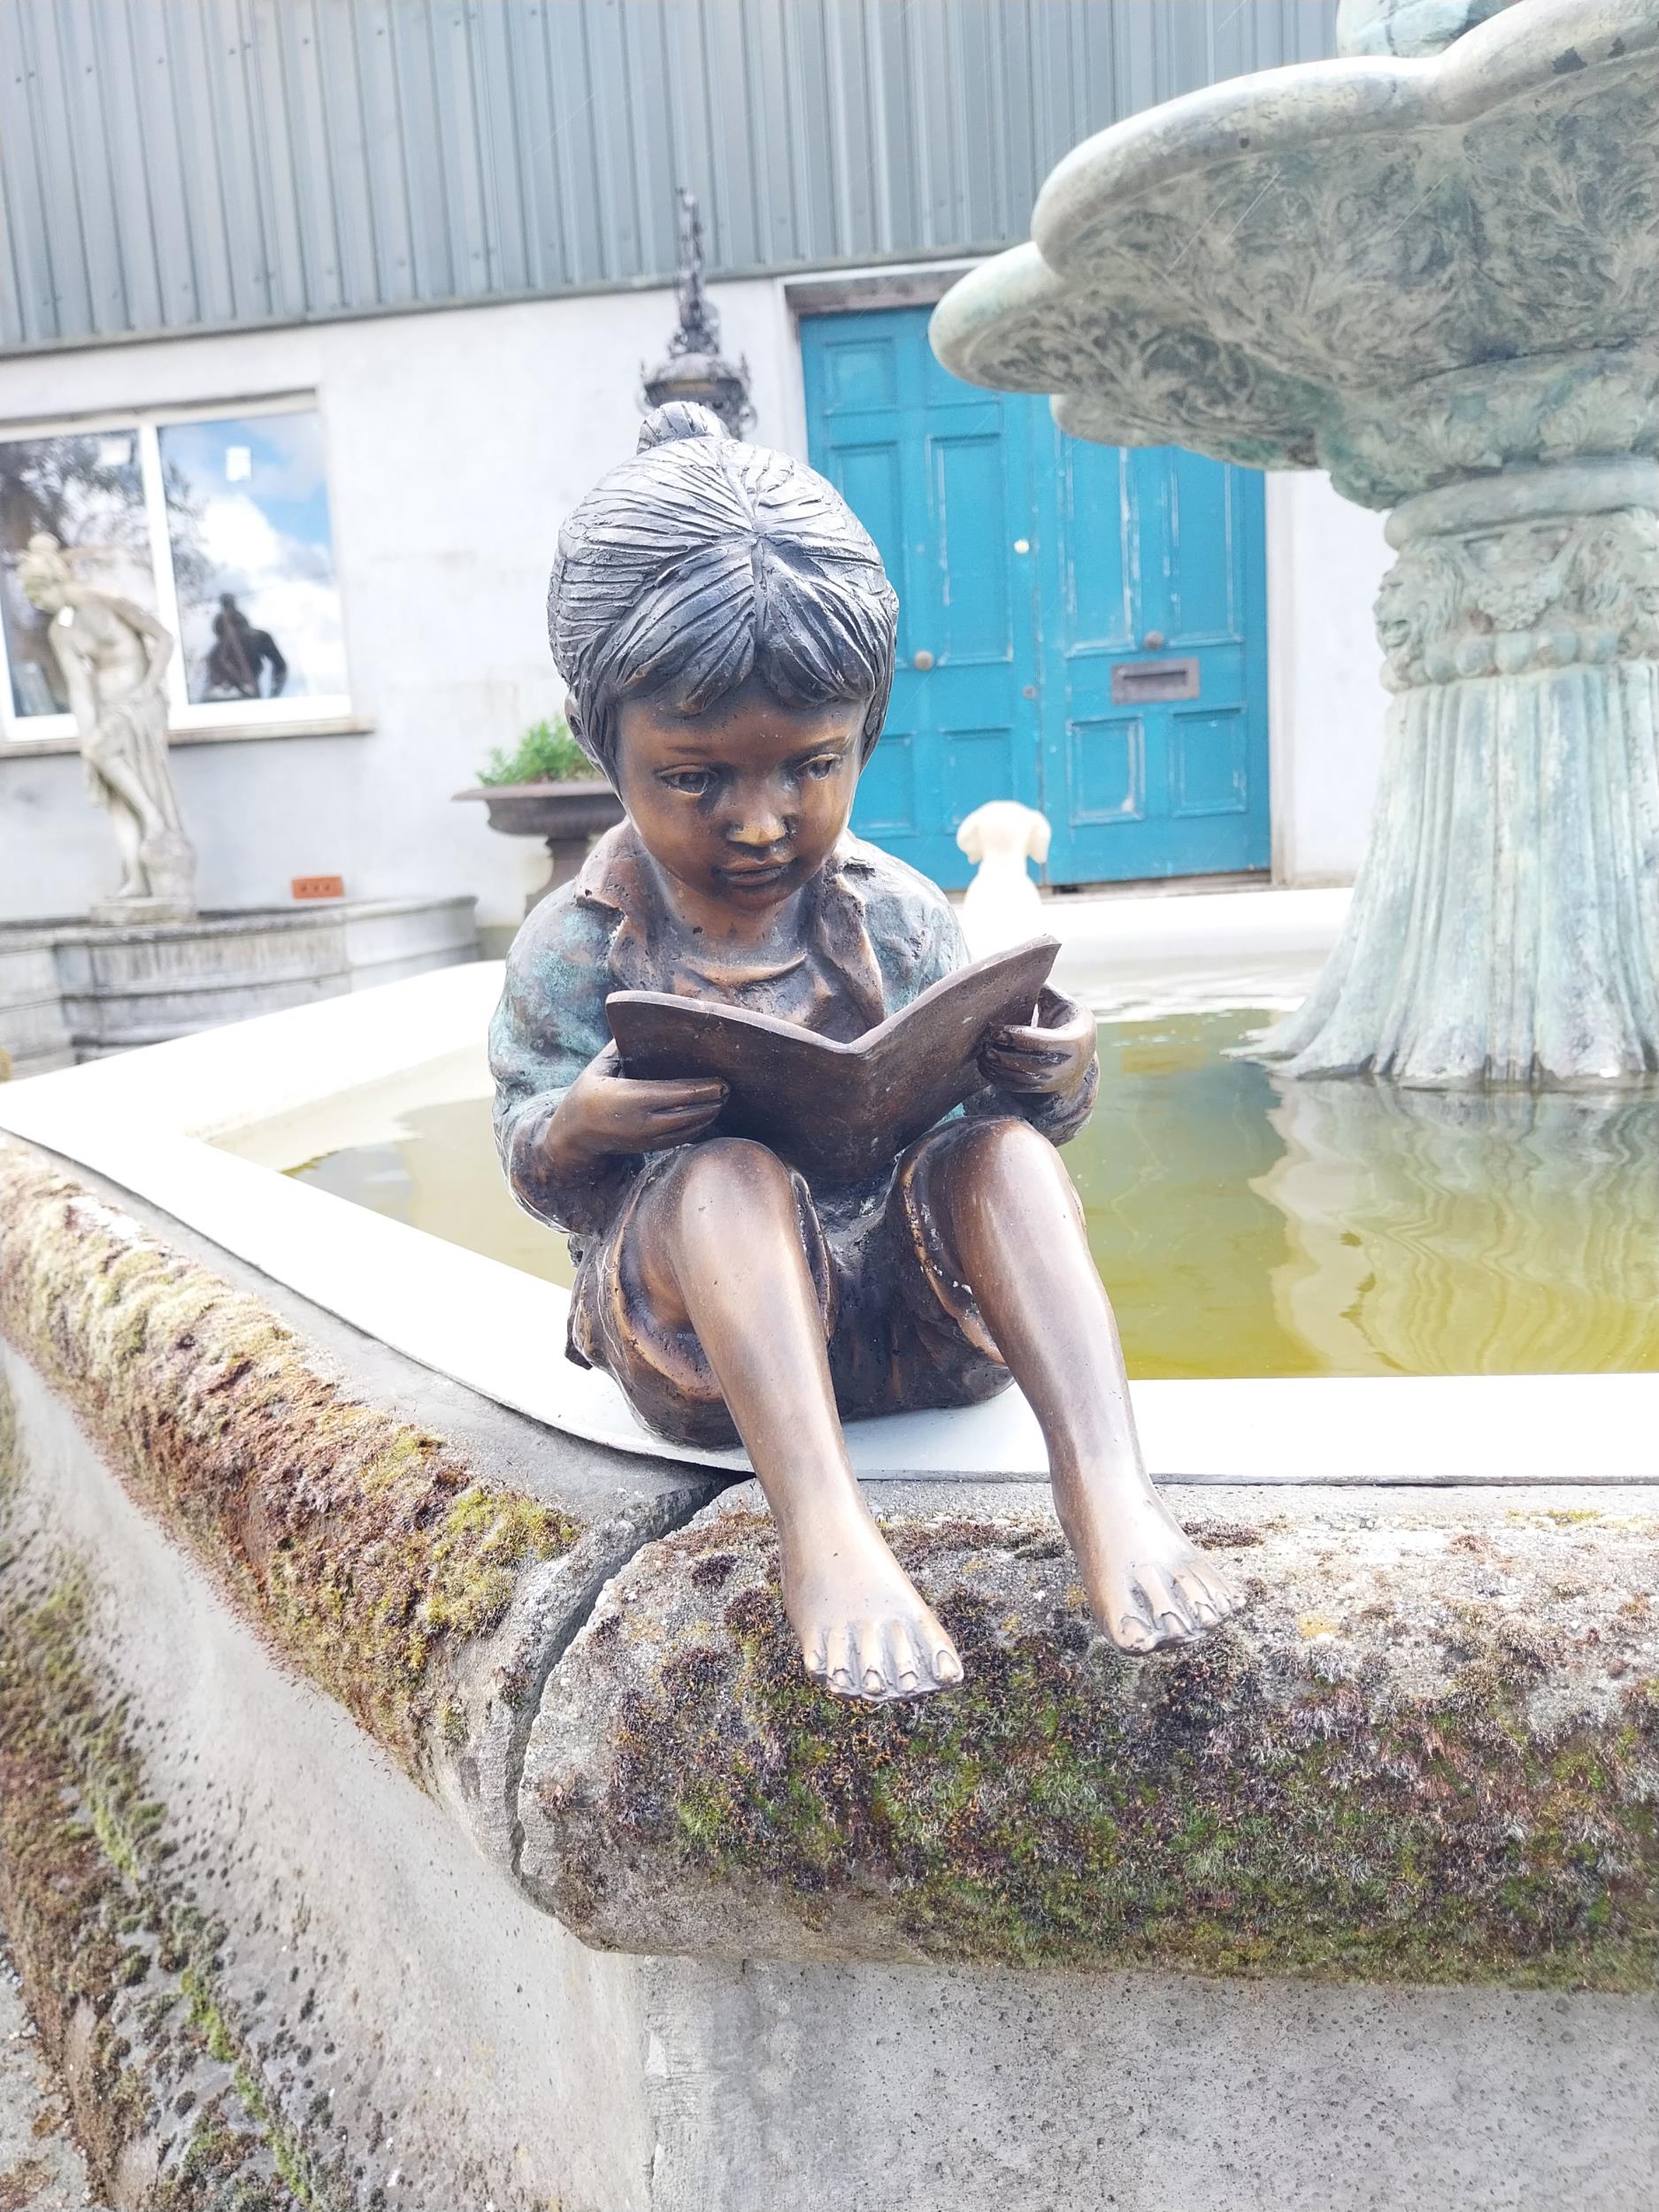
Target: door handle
{"x": 922, "y": 661}
{"x": 1153, "y": 641}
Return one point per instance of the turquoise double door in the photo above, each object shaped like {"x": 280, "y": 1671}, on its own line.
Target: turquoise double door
{"x": 1081, "y": 627}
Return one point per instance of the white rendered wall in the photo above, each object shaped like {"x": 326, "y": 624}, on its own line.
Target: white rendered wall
{"x": 1325, "y": 559}
{"x": 457, "y": 440}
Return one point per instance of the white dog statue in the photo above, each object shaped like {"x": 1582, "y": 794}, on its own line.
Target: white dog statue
{"x": 1003, "y": 907}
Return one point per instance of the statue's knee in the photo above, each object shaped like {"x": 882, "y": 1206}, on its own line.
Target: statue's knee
{"x": 1005, "y": 1160}
{"x": 1006, "y": 1139}
{"x": 735, "y": 1168}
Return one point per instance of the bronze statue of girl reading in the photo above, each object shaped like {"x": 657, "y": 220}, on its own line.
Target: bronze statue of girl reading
{"x": 727, "y": 634}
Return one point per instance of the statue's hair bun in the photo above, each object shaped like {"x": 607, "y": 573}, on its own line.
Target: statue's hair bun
{"x": 680, "y": 419}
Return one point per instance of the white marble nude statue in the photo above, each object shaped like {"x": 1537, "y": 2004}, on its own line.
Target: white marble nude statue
{"x": 113, "y": 657}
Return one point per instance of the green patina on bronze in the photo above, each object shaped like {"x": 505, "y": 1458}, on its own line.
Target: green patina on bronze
{"x": 1068, "y": 1807}
{"x": 115, "y": 1960}
{"x": 367, "y": 1551}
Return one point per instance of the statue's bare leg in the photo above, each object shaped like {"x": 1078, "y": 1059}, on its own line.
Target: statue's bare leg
{"x": 1013, "y": 1224}
{"x": 721, "y": 1249}
{"x": 129, "y": 788}
{"x": 129, "y": 839}
{"x": 135, "y": 818}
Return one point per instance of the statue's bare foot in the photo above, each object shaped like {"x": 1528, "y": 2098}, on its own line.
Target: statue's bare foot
{"x": 1149, "y": 1584}
{"x": 864, "y": 1631}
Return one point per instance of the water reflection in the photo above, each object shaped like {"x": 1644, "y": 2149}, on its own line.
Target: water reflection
{"x": 1169, "y": 1170}
{"x": 1245, "y": 1223}
{"x": 241, "y": 654}
{"x": 252, "y": 546}
{"x": 439, "y": 1174}
{"x": 1439, "y": 1233}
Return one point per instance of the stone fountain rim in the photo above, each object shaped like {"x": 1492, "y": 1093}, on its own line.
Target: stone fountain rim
{"x": 1288, "y": 109}
{"x": 1508, "y": 56}
{"x": 147, "y": 1121}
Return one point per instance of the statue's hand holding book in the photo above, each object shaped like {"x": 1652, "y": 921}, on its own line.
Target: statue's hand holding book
{"x": 839, "y": 1111}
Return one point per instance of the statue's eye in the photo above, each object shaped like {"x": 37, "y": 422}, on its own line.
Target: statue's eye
{"x": 692, "y": 781}
{"x": 822, "y": 765}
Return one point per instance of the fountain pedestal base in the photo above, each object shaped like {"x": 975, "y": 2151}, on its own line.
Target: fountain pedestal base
{"x": 1505, "y": 925}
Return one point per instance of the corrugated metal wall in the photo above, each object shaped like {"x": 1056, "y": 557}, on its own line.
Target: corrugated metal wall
{"x": 178, "y": 165}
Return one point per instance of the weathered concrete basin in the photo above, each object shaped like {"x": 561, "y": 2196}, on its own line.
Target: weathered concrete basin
{"x": 330, "y": 1689}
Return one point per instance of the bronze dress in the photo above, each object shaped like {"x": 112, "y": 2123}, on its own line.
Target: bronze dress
{"x": 901, "y": 1331}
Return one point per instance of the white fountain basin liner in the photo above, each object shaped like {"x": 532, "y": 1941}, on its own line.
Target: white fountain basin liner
{"x": 149, "y": 1121}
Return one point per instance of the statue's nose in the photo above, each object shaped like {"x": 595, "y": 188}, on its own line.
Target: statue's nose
{"x": 759, "y": 827}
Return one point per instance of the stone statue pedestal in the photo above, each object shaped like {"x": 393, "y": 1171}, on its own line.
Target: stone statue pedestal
{"x": 139, "y": 913}
{"x": 81, "y": 990}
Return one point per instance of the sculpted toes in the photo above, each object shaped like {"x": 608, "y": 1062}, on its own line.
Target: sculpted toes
{"x": 1120, "y": 1612}
{"x": 1168, "y": 1596}
{"x": 1207, "y": 1611}
{"x": 1135, "y": 1635}
{"x": 1225, "y": 1590}
{"x": 947, "y": 1666}
{"x": 1167, "y": 1609}
{"x": 843, "y": 1673}
{"x": 906, "y": 1668}
{"x": 872, "y": 1675}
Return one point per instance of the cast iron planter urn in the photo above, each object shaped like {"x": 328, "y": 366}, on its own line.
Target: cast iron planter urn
{"x": 568, "y": 815}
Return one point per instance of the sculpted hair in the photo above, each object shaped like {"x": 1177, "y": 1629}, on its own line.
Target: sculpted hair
{"x": 701, "y": 561}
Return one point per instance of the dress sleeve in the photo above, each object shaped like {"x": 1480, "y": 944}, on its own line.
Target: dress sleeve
{"x": 551, "y": 1022}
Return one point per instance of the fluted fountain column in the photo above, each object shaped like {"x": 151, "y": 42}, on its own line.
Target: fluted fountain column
{"x": 1505, "y": 925}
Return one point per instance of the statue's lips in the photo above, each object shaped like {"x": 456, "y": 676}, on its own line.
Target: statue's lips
{"x": 743, "y": 876}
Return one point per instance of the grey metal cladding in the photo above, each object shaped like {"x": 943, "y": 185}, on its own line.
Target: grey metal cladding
{"x": 189, "y": 164}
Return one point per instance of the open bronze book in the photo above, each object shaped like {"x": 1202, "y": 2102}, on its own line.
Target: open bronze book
{"x": 837, "y": 1112}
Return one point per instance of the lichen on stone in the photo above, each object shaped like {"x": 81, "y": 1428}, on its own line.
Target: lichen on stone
{"x": 365, "y": 1550}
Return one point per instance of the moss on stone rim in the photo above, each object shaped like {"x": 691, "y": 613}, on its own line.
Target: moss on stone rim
{"x": 367, "y": 1551}
{"x": 1220, "y": 1810}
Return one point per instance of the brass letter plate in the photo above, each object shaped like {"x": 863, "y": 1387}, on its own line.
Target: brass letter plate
{"x": 1135, "y": 681}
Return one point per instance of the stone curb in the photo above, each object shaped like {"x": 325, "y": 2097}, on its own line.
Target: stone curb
{"x": 426, "y": 1595}
{"x": 1430, "y": 1753}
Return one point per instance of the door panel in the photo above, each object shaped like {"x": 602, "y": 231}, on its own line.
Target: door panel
{"x": 938, "y": 475}
{"x": 970, "y": 496}
{"x": 1198, "y": 496}
{"x": 1106, "y": 771}
{"x": 1152, "y": 556}
{"x": 887, "y": 790}
{"x": 1029, "y": 567}
{"x": 860, "y": 370}
{"x": 1095, "y": 529}
{"x": 1211, "y": 768}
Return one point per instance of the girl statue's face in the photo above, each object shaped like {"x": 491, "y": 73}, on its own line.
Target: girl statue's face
{"x": 743, "y": 803}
